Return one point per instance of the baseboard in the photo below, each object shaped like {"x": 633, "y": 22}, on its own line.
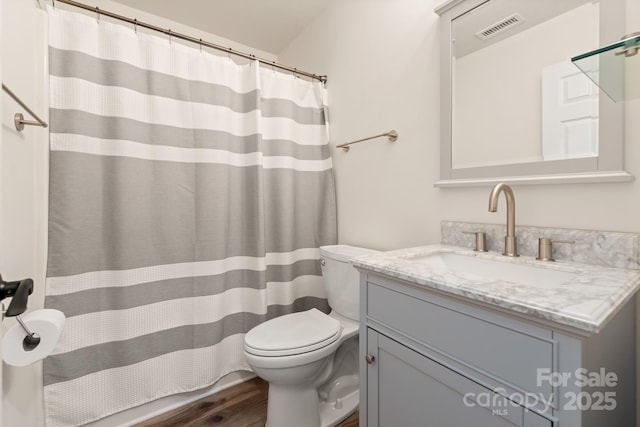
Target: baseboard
{"x": 144, "y": 412}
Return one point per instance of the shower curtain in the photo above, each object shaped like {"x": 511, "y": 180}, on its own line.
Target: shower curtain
{"x": 188, "y": 198}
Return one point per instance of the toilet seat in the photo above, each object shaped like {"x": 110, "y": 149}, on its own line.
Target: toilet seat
{"x": 292, "y": 334}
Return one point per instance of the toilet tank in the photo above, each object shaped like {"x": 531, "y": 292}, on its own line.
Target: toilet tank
{"x": 341, "y": 279}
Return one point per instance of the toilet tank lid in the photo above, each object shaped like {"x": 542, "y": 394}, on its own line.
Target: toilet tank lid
{"x": 344, "y": 253}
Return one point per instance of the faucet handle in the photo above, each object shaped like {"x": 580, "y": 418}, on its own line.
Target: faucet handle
{"x": 545, "y": 248}
{"x": 481, "y": 240}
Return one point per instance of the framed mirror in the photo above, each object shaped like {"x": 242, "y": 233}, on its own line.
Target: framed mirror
{"x": 513, "y": 106}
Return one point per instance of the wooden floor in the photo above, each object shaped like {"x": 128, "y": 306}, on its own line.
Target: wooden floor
{"x": 244, "y": 405}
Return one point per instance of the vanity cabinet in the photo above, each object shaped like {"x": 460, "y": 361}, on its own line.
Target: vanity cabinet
{"x": 430, "y": 359}
{"x": 407, "y": 388}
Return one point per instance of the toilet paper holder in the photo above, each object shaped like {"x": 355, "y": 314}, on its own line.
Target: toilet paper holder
{"x": 19, "y": 292}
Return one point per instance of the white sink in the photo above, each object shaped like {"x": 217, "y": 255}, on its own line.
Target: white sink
{"x": 510, "y": 270}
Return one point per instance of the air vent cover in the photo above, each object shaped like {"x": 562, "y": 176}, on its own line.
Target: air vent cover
{"x": 500, "y": 26}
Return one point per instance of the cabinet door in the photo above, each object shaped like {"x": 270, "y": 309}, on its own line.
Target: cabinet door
{"x": 408, "y": 389}
{"x": 531, "y": 419}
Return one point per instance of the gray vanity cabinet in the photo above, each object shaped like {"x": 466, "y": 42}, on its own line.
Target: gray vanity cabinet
{"x": 408, "y": 389}
{"x": 433, "y": 360}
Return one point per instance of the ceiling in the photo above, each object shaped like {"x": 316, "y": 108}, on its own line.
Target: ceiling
{"x": 268, "y": 25}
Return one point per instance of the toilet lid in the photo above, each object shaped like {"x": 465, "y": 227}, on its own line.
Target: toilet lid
{"x": 294, "y": 333}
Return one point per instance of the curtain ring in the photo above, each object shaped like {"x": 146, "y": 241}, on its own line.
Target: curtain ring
{"x": 200, "y": 45}
{"x": 229, "y": 50}
{"x": 53, "y": 2}
{"x": 97, "y": 14}
{"x": 135, "y": 25}
{"x": 273, "y": 66}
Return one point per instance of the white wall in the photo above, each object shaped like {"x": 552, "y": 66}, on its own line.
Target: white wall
{"x": 23, "y": 171}
{"x": 381, "y": 57}
{"x": 24, "y": 186}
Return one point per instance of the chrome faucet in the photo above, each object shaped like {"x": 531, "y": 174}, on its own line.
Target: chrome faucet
{"x": 510, "y": 244}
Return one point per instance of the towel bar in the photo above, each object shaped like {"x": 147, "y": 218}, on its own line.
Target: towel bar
{"x": 18, "y": 119}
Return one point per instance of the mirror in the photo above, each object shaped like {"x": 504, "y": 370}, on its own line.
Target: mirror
{"x": 513, "y": 104}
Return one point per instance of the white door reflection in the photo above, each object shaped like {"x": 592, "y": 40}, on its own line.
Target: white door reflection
{"x": 569, "y": 113}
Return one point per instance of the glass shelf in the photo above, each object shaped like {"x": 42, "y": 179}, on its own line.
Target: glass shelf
{"x": 615, "y": 68}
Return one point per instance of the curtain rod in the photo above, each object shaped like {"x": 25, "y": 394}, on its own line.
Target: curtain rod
{"x": 201, "y": 42}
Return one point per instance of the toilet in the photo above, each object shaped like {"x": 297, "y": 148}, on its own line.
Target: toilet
{"x": 310, "y": 359}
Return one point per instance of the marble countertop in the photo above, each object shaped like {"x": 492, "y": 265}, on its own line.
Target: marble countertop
{"x": 587, "y": 300}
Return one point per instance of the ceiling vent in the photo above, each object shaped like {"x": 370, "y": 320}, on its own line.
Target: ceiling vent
{"x": 500, "y": 26}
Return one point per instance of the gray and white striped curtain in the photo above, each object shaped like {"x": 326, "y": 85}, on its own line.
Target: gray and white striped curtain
{"x": 188, "y": 198}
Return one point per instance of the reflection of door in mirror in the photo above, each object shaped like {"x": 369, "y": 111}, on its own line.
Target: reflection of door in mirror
{"x": 497, "y": 82}
{"x": 569, "y": 113}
